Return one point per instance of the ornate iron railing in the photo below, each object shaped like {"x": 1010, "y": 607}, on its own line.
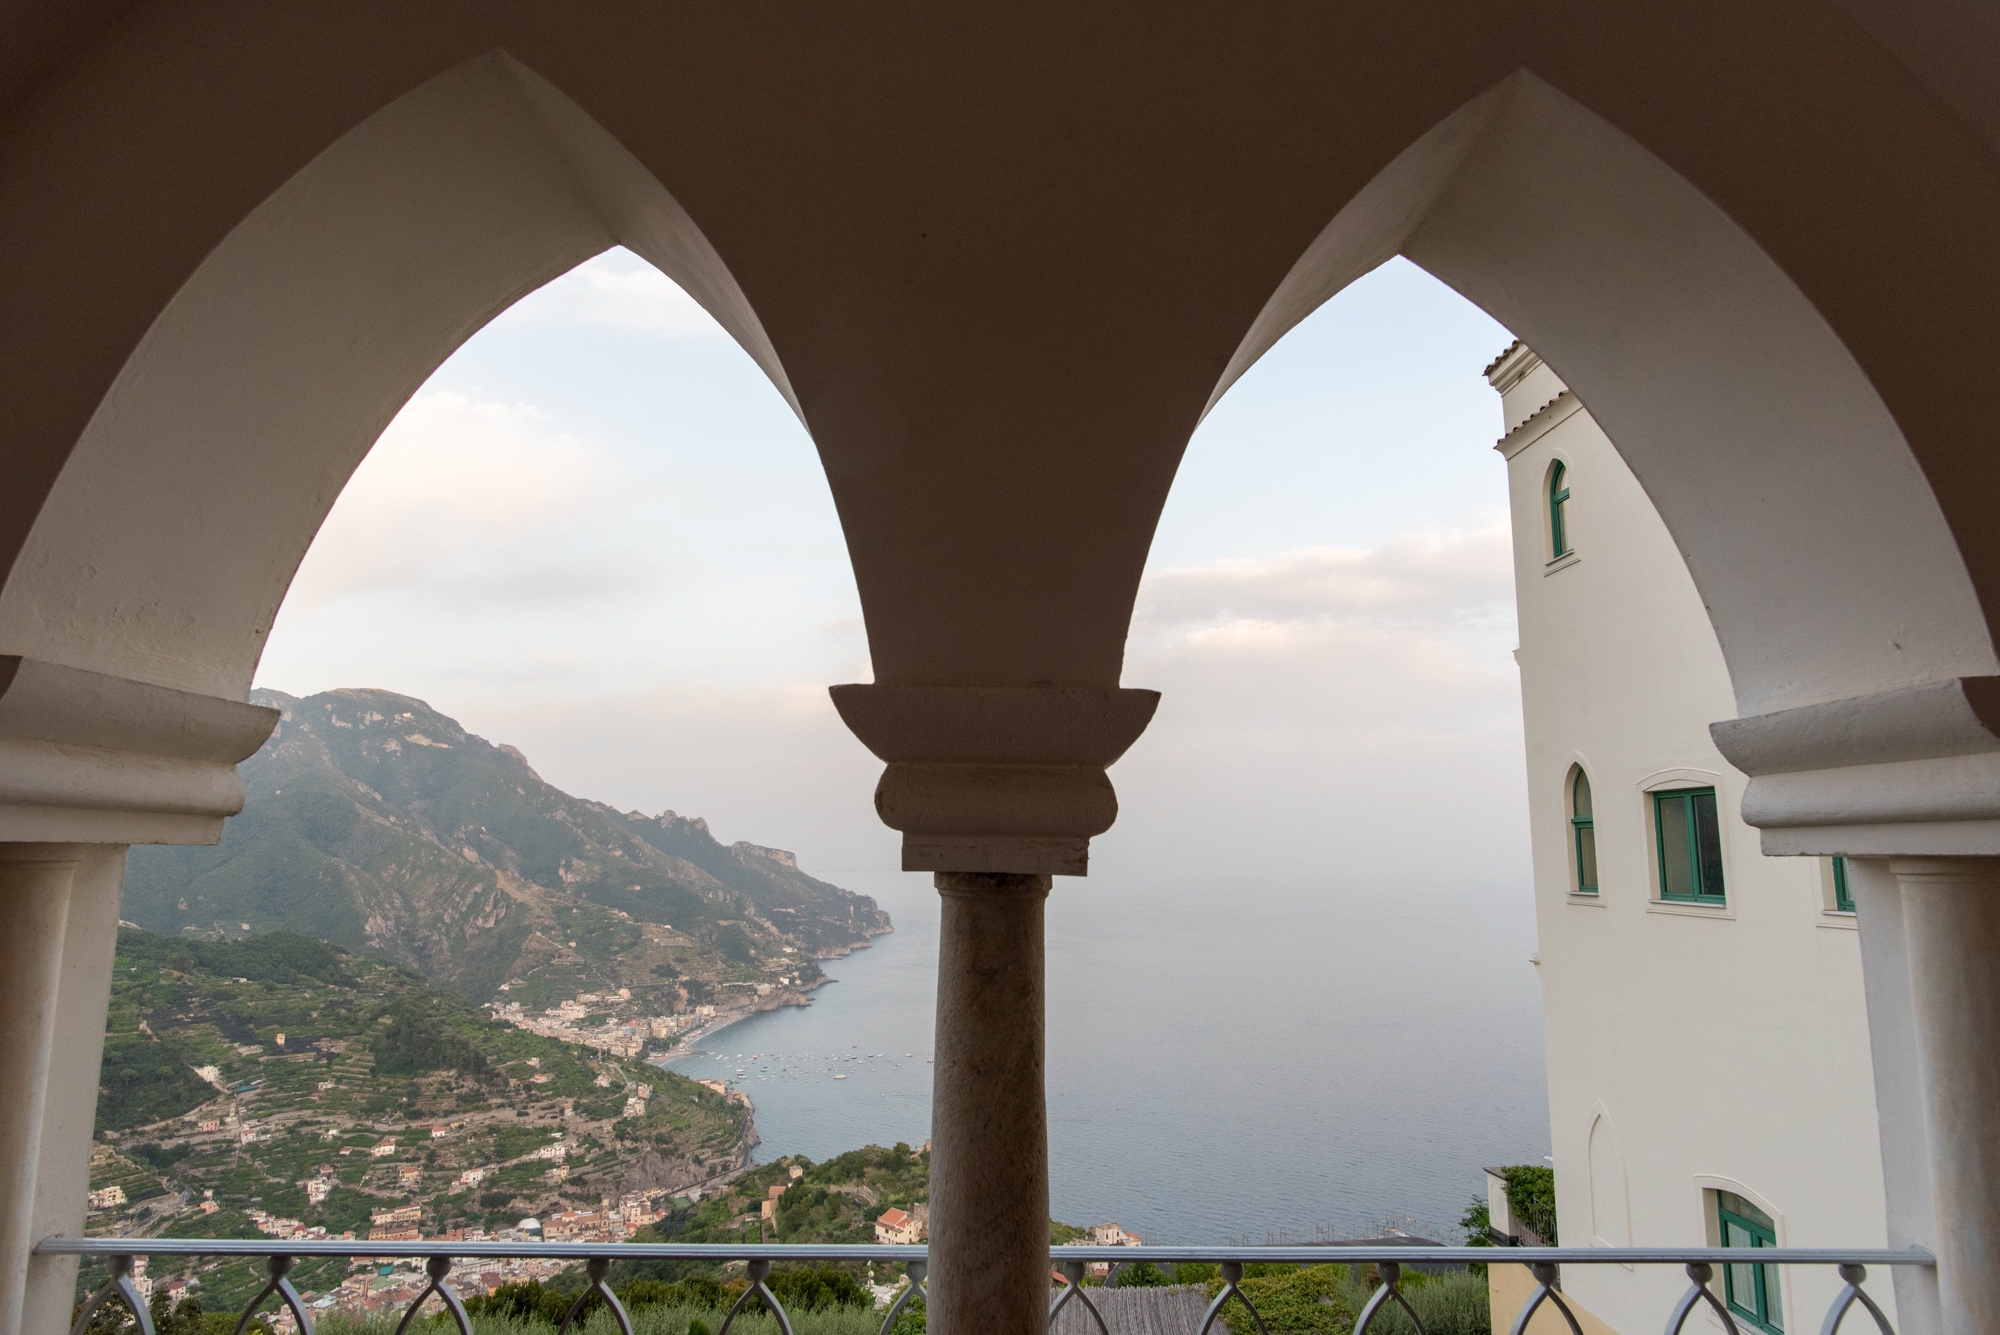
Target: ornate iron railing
{"x": 1544, "y": 1263}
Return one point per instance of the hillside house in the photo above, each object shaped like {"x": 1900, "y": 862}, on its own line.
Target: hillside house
{"x": 897, "y": 1227}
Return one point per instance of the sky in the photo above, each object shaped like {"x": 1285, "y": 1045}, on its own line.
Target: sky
{"x": 599, "y": 534}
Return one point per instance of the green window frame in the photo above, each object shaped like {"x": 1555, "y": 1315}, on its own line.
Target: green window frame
{"x": 1749, "y": 1291}
{"x": 1558, "y": 500}
{"x": 1583, "y": 832}
{"x": 1687, "y": 830}
{"x": 1843, "y": 902}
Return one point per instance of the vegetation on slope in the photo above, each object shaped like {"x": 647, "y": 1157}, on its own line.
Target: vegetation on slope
{"x": 320, "y": 1059}
{"x": 375, "y": 822}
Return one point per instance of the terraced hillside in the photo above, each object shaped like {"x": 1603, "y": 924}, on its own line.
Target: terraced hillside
{"x": 279, "y": 1084}
{"x": 377, "y": 823}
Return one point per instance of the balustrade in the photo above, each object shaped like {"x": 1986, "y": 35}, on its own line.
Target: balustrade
{"x": 1545, "y": 1263}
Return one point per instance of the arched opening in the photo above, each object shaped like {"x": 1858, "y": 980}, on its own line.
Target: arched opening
{"x": 1559, "y": 531}
{"x": 1754, "y": 433}
{"x": 265, "y": 381}
{"x": 1583, "y": 833}
{"x": 1787, "y": 486}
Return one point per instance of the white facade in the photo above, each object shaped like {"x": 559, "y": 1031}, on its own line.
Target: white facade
{"x": 1695, "y": 1046}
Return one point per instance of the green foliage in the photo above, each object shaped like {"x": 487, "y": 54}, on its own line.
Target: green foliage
{"x": 700, "y": 1289}
{"x": 527, "y": 1301}
{"x": 1141, "y": 1275}
{"x": 911, "y": 1320}
{"x": 1475, "y": 1222}
{"x": 816, "y": 1207}
{"x": 161, "y": 1158}
{"x": 421, "y": 1037}
{"x": 805, "y": 1289}
{"x": 217, "y": 1020}
{"x": 364, "y": 803}
{"x": 814, "y": 1288}
{"x": 1447, "y": 1304}
{"x": 1311, "y": 1300}
{"x": 733, "y": 943}
{"x": 283, "y": 958}
{"x": 145, "y": 1079}
{"x": 1531, "y": 1196}
{"x": 185, "y": 1319}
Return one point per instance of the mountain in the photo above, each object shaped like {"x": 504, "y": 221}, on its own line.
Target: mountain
{"x": 278, "y": 1084}
{"x": 374, "y": 822}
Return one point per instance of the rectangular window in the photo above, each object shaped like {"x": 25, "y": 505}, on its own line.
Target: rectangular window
{"x": 1749, "y": 1291}
{"x": 1842, "y": 901}
{"x": 1690, "y": 843}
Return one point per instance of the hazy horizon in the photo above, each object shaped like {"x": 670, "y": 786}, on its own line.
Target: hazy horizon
{"x": 599, "y": 534}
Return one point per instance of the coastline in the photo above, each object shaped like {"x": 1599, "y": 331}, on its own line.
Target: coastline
{"x": 688, "y": 1045}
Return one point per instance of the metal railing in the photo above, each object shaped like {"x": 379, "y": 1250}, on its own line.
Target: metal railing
{"x": 1544, "y": 1263}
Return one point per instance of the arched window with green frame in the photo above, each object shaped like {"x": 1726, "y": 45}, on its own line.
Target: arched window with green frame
{"x": 1558, "y": 510}
{"x": 1583, "y": 832}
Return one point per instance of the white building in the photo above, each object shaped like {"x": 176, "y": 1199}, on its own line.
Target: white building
{"x": 1708, "y": 1053}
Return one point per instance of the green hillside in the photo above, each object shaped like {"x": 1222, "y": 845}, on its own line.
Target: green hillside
{"x": 370, "y": 1053}
{"x": 375, "y": 822}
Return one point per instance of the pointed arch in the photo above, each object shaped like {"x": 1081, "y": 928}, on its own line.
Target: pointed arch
{"x": 1823, "y": 556}
{"x": 1610, "y": 1191}
{"x": 168, "y": 542}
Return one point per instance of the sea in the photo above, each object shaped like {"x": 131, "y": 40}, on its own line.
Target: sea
{"x": 1277, "y": 1062}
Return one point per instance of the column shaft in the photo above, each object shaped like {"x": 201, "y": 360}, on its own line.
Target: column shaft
{"x": 69, "y": 1116}
{"x": 989, "y": 1268}
{"x": 35, "y": 884}
{"x": 1951, "y": 910}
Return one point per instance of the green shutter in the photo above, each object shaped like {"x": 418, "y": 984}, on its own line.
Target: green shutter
{"x": 1687, "y": 828}
{"x": 1842, "y": 901}
{"x": 1558, "y": 498}
{"x": 1583, "y": 826}
{"x": 1749, "y": 1291}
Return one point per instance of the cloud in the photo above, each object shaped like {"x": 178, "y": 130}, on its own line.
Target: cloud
{"x": 465, "y": 493}
{"x": 1328, "y": 698}
{"x": 618, "y": 290}
{"x": 1419, "y": 579}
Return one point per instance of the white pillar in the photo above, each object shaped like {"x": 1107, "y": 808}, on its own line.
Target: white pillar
{"x": 1899, "y": 1100}
{"x": 35, "y": 884}
{"x": 1951, "y": 922}
{"x": 989, "y": 1260}
{"x": 69, "y": 1116}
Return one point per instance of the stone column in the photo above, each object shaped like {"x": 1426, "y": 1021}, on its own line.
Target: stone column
{"x": 996, "y": 789}
{"x": 69, "y": 1113}
{"x": 35, "y": 884}
{"x": 1951, "y": 915}
{"x": 989, "y": 1140}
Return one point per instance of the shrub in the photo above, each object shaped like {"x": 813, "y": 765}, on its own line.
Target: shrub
{"x": 1447, "y": 1304}
{"x": 527, "y": 1301}
{"x": 1308, "y": 1301}
{"x": 1531, "y": 1196}
{"x": 815, "y": 1289}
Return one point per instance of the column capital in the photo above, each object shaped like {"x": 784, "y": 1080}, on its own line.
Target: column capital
{"x": 1913, "y": 771}
{"x": 996, "y": 778}
{"x": 91, "y": 758}
{"x": 1946, "y": 870}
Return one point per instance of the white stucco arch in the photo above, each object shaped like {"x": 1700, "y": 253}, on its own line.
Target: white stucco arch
{"x": 1827, "y": 567}
{"x": 168, "y": 543}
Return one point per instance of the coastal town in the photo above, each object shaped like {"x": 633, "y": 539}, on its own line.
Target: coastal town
{"x": 570, "y": 1022}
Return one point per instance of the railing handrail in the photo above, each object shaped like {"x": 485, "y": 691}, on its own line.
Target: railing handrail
{"x": 1544, "y": 1263}
{"x": 1300, "y": 1253}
